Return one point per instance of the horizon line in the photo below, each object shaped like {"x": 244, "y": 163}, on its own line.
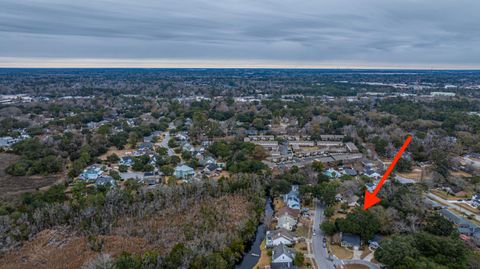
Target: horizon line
{"x": 117, "y": 63}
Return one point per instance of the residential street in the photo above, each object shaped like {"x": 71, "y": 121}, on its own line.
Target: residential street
{"x": 452, "y": 205}
{"x": 319, "y": 252}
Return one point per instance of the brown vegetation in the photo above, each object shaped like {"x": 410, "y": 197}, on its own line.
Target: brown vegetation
{"x": 15, "y": 185}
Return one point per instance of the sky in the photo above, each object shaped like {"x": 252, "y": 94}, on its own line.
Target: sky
{"x": 427, "y": 34}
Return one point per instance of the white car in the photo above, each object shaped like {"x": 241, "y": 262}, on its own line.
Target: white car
{"x": 314, "y": 233}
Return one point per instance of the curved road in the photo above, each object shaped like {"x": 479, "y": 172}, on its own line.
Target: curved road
{"x": 323, "y": 259}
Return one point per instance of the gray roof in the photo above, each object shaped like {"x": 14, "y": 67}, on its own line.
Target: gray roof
{"x": 281, "y": 249}
{"x": 280, "y": 233}
{"x": 464, "y": 226}
{"x": 352, "y": 239}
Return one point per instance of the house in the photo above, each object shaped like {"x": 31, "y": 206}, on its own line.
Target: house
{"x": 181, "y": 137}
{"x": 188, "y": 147}
{"x": 145, "y": 146}
{"x": 151, "y": 178}
{"x": 369, "y": 172}
{"x": 126, "y": 160}
{"x": 184, "y": 172}
{"x": 350, "y": 240}
{"x": 332, "y": 173}
{"x": 91, "y": 173}
{"x": 374, "y": 243}
{"x": 464, "y": 226}
{"x": 280, "y": 236}
{"x": 104, "y": 181}
{"x": 351, "y": 147}
{"x": 370, "y": 186}
{"x": 211, "y": 168}
{"x": 349, "y": 171}
{"x": 291, "y": 199}
{"x": 287, "y": 218}
{"x": 282, "y": 254}
{"x": 7, "y": 142}
{"x": 206, "y": 161}
{"x": 476, "y": 200}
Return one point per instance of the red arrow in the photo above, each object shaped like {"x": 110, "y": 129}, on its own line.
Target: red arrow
{"x": 371, "y": 198}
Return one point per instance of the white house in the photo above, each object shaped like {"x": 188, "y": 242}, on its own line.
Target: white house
{"x": 280, "y": 236}
{"x": 282, "y": 254}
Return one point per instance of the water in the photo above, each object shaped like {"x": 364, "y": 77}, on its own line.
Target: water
{"x": 249, "y": 260}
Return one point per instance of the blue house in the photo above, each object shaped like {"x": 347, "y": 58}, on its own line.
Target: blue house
{"x": 332, "y": 173}
{"x": 184, "y": 172}
{"x": 91, "y": 173}
{"x": 126, "y": 160}
{"x": 291, "y": 199}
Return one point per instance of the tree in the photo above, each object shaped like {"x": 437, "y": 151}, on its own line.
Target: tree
{"x": 322, "y": 178}
{"x": 380, "y": 145}
{"x": 317, "y": 166}
{"x": 162, "y": 151}
{"x": 299, "y": 259}
{"x": 167, "y": 170}
{"x": 123, "y": 168}
{"x": 395, "y": 250}
{"x": 403, "y": 165}
{"x": 175, "y": 258}
{"x": 328, "y": 227}
{"x": 17, "y": 169}
{"x": 128, "y": 261}
{"x": 259, "y": 153}
{"x": 360, "y": 222}
{"x": 439, "y": 225}
{"x": 115, "y": 175}
{"x": 329, "y": 211}
{"x": 326, "y": 192}
{"x": 220, "y": 149}
{"x": 113, "y": 158}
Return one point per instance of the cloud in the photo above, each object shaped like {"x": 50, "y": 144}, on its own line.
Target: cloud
{"x": 395, "y": 32}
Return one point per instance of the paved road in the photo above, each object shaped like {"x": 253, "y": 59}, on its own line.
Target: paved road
{"x": 452, "y": 205}
{"x": 319, "y": 252}
{"x": 164, "y": 144}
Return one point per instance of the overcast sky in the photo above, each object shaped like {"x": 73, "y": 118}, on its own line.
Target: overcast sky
{"x": 290, "y": 33}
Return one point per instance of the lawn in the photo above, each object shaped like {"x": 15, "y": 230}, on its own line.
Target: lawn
{"x": 469, "y": 208}
{"x": 341, "y": 253}
{"x": 444, "y": 195}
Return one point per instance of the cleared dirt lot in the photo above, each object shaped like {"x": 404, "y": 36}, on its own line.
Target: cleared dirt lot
{"x": 11, "y": 186}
